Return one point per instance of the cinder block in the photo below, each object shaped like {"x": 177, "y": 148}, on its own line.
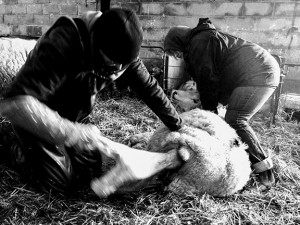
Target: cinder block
{"x": 69, "y": 9}
{"x": 5, "y": 9}
{"x": 294, "y": 71}
{"x": 2, "y": 9}
{"x": 26, "y": 1}
{"x": 18, "y": 9}
{"x": 15, "y": 30}
{"x": 203, "y": 9}
{"x": 80, "y": 1}
{"x": 151, "y": 9}
{"x": 10, "y": 19}
{"x": 166, "y": 22}
{"x": 230, "y": 23}
{"x": 175, "y": 9}
{"x": 287, "y": 9}
{"x": 34, "y": 9}
{"x": 65, "y": 2}
{"x": 41, "y": 20}
{"x": 5, "y": 29}
{"x": 10, "y": 2}
{"x": 228, "y": 9}
{"x": 296, "y": 22}
{"x": 259, "y": 9}
{"x": 215, "y": 9}
{"x": 26, "y": 19}
{"x": 18, "y": 29}
{"x": 43, "y": 1}
{"x": 253, "y": 23}
{"x": 283, "y": 40}
{"x": 135, "y": 6}
{"x": 34, "y": 31}
{"x": 51, "y": 9}
{"x": 273, "y": 23}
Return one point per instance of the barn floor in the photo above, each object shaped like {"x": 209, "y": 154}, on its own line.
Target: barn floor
{"x": 120, "y": 117}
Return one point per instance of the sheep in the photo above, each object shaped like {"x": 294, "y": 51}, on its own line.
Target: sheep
{"x": 216, "y": 160}
{"x": 13, "y": 54}
{"x": 211, "y": 159}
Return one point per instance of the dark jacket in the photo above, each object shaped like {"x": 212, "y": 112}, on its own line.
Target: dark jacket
{"x": 60, "y": 72}
{"x": 220, "y": 62}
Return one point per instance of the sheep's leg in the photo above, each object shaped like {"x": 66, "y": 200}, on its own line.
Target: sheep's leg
{"x": 133, "y": 165}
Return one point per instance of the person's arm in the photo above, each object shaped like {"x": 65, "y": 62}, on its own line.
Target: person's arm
{"x": 203, "y": 59}
{"x": 152, "y": 94}
{"x": 132, "y": 164}
{"x": 35, "y": 117}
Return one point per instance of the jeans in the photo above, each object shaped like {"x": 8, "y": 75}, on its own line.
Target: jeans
{"x": 243, "y": 103}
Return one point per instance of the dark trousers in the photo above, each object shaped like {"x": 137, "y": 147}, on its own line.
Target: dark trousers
{"x": 244, "y": 102}
{"x": 52, "y": 168}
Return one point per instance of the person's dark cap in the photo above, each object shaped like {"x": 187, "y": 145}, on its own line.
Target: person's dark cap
{"x": 118, "y": 33}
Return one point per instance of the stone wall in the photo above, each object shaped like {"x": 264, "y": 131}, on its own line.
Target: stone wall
{"x": 273, "y": 24}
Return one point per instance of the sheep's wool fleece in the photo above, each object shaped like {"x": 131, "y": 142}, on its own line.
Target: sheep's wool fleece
{"x": 13, "y": 54}
{"x": 219, "y": 164}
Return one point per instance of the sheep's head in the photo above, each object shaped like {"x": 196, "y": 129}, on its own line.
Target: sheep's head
{"x": 186, "y": 97}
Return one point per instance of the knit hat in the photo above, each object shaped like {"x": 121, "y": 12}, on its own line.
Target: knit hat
{"x": 118, "y": 33}
{"x": 176, "y": 38}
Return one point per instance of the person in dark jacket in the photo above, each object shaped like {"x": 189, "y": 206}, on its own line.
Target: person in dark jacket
{"x": 231, "y": 71}
{"x": 55, "y": 90}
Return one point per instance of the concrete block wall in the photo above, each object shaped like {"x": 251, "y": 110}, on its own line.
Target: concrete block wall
{"x": 274, "y": 24}
{"x": 33, "y": 17}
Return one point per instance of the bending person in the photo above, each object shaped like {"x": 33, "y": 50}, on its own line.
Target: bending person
{"x": 231, "y": 71}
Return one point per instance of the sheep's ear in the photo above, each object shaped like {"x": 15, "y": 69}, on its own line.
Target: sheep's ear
{"x": 184, "y": 154}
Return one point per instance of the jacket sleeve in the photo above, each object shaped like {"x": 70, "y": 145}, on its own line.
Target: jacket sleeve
{"x": 54, "y": 56}
{"x": 35, "y": 117}
{"x": 204, "y": 51}
{"x": 44, "y": 71}
{"x": 152, "y": 94}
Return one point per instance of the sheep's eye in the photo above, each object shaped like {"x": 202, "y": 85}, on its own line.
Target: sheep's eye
{"x": 196, "y": 100}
